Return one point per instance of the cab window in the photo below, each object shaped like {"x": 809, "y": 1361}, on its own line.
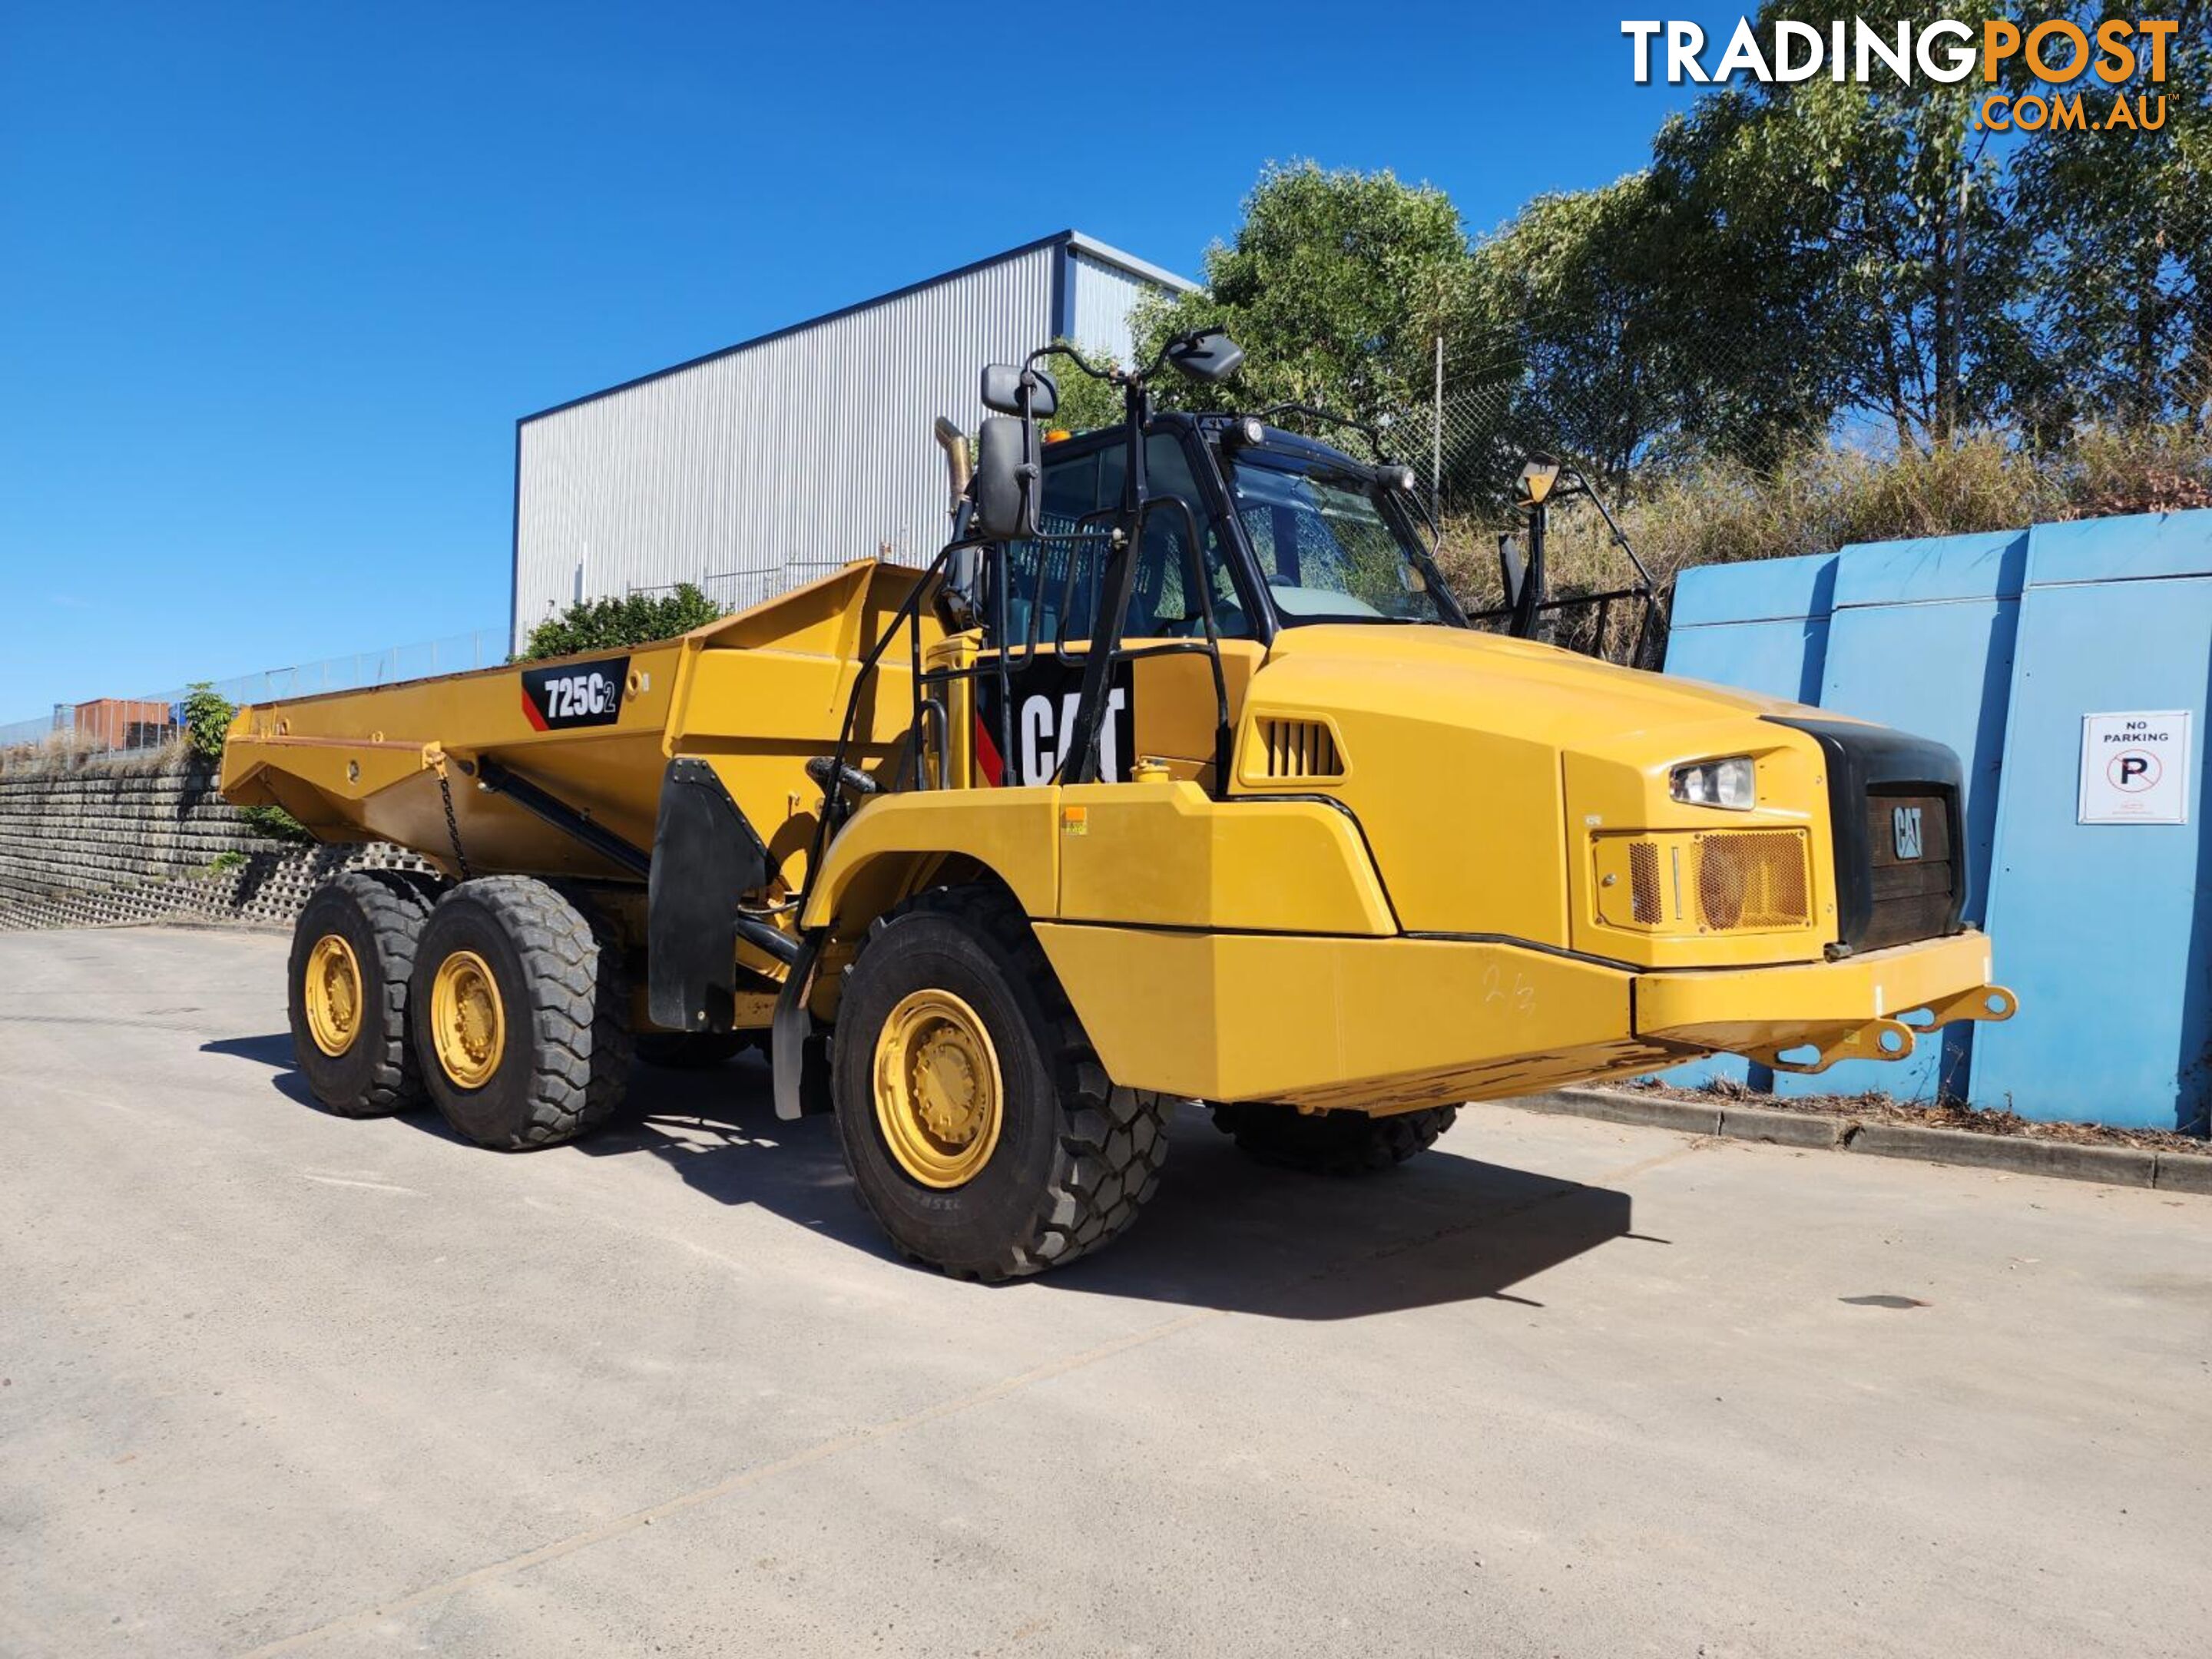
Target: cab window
{"x": 1038, "y": 572}
{"x": 1162, "y": 603}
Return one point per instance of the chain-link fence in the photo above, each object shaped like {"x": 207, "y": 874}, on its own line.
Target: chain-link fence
{"x": 123, "y": 726}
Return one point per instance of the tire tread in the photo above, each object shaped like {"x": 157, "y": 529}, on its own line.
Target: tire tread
{"x": 1332, "y": 1143}
{"x": 578, "y": 1025}
{"x": 395, "y": 907}
{"x": 1113, "y": 1140}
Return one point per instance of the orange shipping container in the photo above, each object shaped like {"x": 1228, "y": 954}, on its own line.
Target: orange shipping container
{"x": 122, "y": 723}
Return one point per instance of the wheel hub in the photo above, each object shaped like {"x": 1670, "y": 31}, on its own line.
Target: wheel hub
{"x": 331, "y": 992}
{"x": 939, "y": 1095}
{"x": 468, "y": 1023}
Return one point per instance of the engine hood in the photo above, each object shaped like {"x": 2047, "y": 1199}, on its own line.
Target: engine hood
{"x": 1478, "y": 765}
{"x": 1547, "y": 689}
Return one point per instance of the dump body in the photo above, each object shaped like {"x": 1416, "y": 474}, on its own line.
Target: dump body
{"x": 758, "y": 695}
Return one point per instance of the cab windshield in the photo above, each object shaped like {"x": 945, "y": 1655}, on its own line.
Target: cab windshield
{"x": 1329, "y": 548}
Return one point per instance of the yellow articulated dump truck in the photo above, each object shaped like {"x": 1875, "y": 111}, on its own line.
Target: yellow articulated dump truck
{"x": 1179, "y": 775}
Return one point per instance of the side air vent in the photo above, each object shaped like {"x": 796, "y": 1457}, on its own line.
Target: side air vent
{"x": 1297, "y": 749}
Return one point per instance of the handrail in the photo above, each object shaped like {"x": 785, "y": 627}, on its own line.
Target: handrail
{"x": 1002, "y": 665}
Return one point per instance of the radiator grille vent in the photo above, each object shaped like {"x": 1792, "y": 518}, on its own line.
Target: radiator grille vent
{"x": 1643, "y": 902}
{"x": 1298, "y": 748}
{"x": 1912, "y": 869}
{"x": 1722, "y": 881}
{"x": 1751, "y": 880}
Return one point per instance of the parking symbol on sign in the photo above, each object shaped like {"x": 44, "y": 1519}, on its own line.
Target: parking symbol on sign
{"x": 2133, "y": 771}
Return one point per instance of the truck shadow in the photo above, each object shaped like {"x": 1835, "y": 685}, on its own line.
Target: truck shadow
{"x": 1223, "y": 1232}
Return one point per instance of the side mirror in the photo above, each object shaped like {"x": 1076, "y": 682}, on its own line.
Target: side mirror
{"x": 1003, "y": 384}
{"x": 1512, "y": 570}
{"x": 1538, "y": 474}
{"x": 1209, "y": 355}
{"x": 1006, "y": 479}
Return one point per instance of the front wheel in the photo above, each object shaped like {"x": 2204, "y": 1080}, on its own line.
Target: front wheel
{"x": 981, "y": 1132}
{"x": 1331, "y": 1143}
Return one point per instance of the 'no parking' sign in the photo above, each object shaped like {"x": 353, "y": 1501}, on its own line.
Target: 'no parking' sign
{"x": 2134, "y": 767}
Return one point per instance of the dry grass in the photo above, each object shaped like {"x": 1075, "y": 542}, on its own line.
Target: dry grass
{"x": 67, "y": 751}
{"x": 1825, "y": 497}
{"x": 1878, "y": 1108}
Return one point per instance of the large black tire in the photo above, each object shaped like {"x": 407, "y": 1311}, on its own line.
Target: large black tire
{"x": 1332, "y": 1143}
{"x": 1076, "y": 1155}
{"x": 379, "y": 914}
{"x": 691, "y": 1051}
{"x": 565, "y": 1060}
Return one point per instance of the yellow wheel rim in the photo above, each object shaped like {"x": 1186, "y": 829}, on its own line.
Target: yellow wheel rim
{"x": 468, "y": 1023}
{"x": 333, "y": 994}
{"x": 940, "y": 1099}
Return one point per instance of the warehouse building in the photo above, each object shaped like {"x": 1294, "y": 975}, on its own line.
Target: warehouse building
{"x": 754, "y": 469}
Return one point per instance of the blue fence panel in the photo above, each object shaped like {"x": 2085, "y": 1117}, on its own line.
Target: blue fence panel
{"x": 1921, "y": 638}
{"x": 1760, "y": 627}
{"x": 2104, "y": 930}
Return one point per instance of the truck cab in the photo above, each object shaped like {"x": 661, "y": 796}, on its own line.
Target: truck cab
{"x": 1290, "y": 533}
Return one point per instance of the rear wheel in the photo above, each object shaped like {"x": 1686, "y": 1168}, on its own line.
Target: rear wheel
{"x": 691, "y": 1051}
{"x": 981, "y": 1132}
{"x": 519, "y": 1006}
{"x": 352, "y": 951}
{"x": 1332, "y": 1143}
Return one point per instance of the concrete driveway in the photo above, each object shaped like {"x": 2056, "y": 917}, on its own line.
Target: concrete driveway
{"x": 273, "y": 1382}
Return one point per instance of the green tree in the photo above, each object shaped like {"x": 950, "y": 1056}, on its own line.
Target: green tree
{"x": 609, "y": 623}
{"x": 1893, "y": 214}
{"x": 207, "y": 717}
{"x": 1086, "y": 404}
{"x": 1748, "y": 299}
{"x": 1576, "y": 288}
{"x": 1337, "y": 285}
{"x": 2121, "y": 274}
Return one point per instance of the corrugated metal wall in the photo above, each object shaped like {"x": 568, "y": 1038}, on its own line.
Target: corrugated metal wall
{"x": 1104, "y": 295}
{"x": 760, "y": 468}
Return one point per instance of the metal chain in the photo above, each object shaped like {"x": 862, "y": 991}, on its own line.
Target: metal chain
{"x": 453, "y": 825}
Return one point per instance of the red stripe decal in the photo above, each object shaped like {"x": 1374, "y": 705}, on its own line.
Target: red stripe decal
{"x": 536, "y": 720}
{"x": 986, "y": 756}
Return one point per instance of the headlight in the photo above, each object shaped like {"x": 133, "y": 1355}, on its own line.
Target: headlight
{"x": 1715, "y": 783}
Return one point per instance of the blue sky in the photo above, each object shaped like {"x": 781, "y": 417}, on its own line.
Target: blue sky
{"x": 276, "y": 280}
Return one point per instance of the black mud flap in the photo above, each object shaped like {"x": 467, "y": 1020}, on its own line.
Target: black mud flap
{"x": 799, "y": 1054}
{"x": 706, "y": 856}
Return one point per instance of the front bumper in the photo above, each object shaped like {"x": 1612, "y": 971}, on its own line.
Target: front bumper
{"x": 1397, "y": 1023}
{"x": 1853, "y": 1009}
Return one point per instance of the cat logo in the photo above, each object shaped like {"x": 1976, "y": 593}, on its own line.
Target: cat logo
{"x": 1905, "y": 829}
